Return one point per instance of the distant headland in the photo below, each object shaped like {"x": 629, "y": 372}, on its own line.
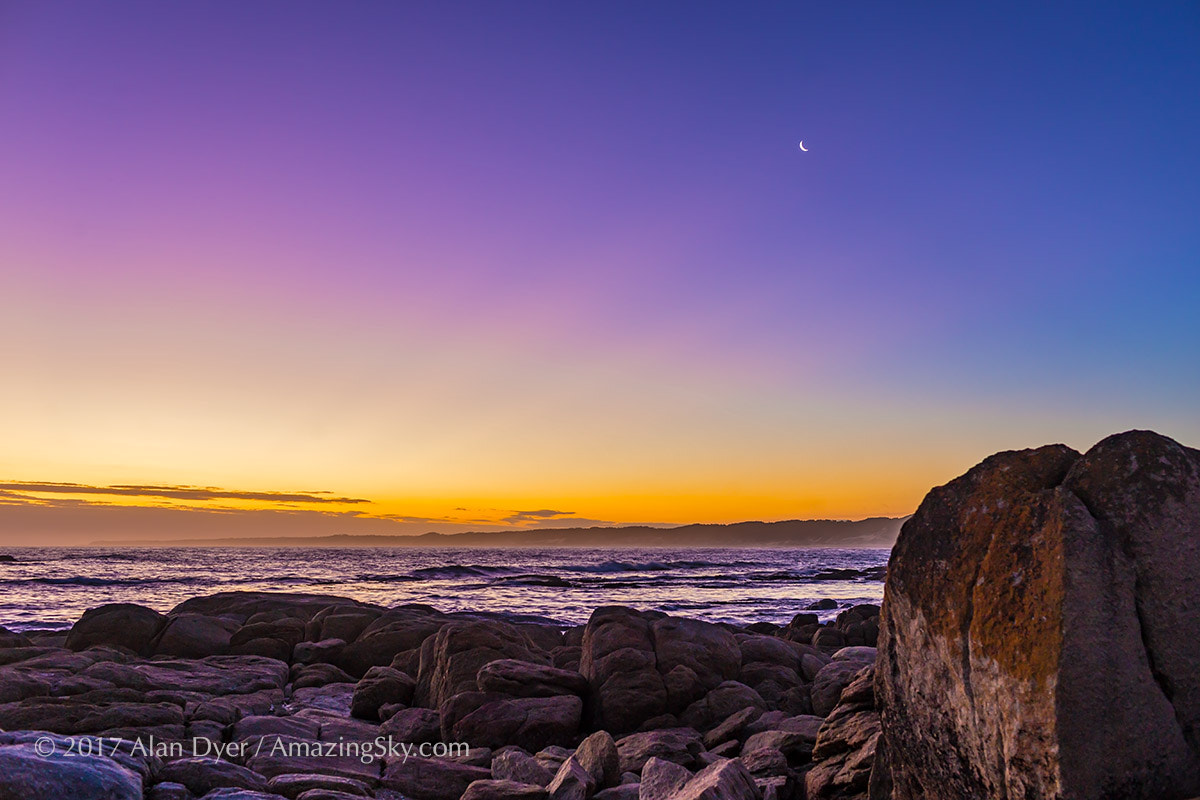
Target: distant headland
{"x": 871, "y": 532}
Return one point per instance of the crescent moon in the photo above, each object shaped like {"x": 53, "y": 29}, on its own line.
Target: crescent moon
{"x": 802, "y": 147}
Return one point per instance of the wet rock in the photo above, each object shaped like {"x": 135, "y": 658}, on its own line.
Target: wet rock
{"x": 824, "y": 604}
{"x": 526, "y": 679}
{"x": 229, "y": 793}
{"x": 661, "y": 779}
{"x": 117, "y": 625}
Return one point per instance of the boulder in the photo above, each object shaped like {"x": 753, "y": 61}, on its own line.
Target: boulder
{"x": 489, "y": 720}
{"x": 724, "y": 780}
{"x": 661, "y": 779}
{"x": 829, "y": 682}
{"x": 431, "y": 778}
{"x": 526, "y": 679}
{"x": 515, "y": 765}
{"x": 416, "y": 725}
{"x": 241, "y": 606}
{"x": 642, "y": 666}
{"x": 25, "y": 774}
{"x": 845, "y": 749}
{"x": 624, "y": 791}
{"x": 395, "y": 631}
{"x": 451, "y": 659}
{"x": 619, "y": 662}
{"x": 325, "y": 651}
{"x": 709, "y": 650}
{"x": 598, "y": 755}
{"x": 202, "y": 775}
{"x": 1036, "y": 629}
{"x": 680, "y": 745}
{"x": 572, "y": 782}
{"x": 309, "y": 676}
{"x": 716, "y": 706}
{"x": 168, "y": 791}
{"x": 117, "y": 625}
{"x": 194, "y": 636}
{"x": 381, "y": 685}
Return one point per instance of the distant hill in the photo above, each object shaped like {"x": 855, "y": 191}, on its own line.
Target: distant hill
{"x": 873, "y": 532}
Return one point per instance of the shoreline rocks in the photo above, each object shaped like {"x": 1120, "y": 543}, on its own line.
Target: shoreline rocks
{"x": 262, "y": 681}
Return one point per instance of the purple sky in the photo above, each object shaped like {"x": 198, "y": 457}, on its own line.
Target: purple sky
{"x": 465, "y": 260}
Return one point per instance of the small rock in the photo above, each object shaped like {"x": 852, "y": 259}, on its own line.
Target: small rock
{"x": 661, "y": 779}
{"x": 572, "y": 782}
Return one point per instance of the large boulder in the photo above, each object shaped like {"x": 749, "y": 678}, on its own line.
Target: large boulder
{"x": 398, "y": 630}
{"x": 242, "y": 606}
{"x": 117, "y": 625}
{"x": 194, "y": 636}
{"x": 451, "y": 659}
{"x": 642, "y": 666}
{"x": 1037, "y": 633}
{"x": 490, "y": 720}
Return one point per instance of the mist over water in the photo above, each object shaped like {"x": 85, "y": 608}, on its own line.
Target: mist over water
{"x": 52, "y": 587}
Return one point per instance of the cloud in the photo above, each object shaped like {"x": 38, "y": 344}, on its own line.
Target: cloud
{"x": 193, "y": 493}
{"x": 548, "y": 518}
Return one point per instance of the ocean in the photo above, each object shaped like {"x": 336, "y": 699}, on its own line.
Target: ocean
{"x": 52, "y": 587}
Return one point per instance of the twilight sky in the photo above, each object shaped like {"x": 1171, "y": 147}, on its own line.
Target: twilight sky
{"x": 398, "y": 267}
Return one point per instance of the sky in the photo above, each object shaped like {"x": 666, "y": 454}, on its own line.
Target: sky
{"x": 296, "y": 267}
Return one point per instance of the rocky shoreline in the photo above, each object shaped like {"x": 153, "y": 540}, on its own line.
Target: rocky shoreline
{"x": 247, "y": 696}
{"x": 1036, "y": 640}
